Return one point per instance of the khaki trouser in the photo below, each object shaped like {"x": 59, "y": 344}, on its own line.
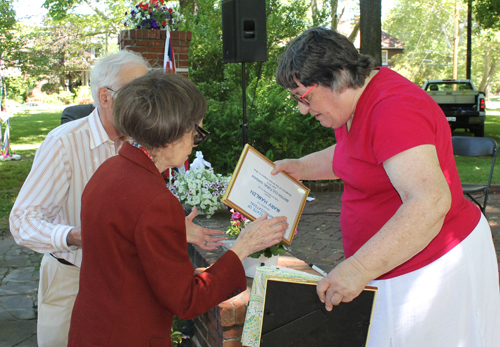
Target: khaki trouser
{"x": 57, "y": 292}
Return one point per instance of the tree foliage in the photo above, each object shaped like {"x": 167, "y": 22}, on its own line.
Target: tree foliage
{"x": 107, "y": 17}
{"x": 55, "y": 51}
{"x": 426, "y": 28}
{"x": 63, "y": 45}
{"x": 8, "y": 45}
{"x": 487, "y": 13}
{"x": 7, "y": 15}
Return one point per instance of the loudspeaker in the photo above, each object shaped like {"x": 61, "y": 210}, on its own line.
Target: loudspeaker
{"x": 244, "y": 32}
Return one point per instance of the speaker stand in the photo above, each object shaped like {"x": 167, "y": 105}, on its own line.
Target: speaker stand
{"x": 244, "y": 126}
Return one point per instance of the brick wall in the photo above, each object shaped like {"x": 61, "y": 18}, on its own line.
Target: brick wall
{"x": 222, "y": 326}
{"x": 151, "y": 45}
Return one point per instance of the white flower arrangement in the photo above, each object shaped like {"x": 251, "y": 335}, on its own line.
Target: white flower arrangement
{"x": 201, "y": 188}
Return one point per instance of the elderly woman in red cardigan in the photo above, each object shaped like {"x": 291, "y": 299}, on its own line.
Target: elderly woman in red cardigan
{"x": 136, "y": 273}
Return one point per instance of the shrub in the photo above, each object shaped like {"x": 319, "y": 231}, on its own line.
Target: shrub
{"x": 83, "y": 95}
{"x": 51, "y": 99}
{"x": 275, "y": 128}
{"x": 66, "y": 97}
{"x": 50, "y": 88}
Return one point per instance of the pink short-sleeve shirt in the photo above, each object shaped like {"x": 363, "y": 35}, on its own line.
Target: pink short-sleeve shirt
{"x": 394, "y": 115}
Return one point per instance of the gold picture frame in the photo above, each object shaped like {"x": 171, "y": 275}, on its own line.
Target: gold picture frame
{"x": 253, "y": 191}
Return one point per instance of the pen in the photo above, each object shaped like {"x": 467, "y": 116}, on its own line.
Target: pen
{"x": 314, "y": 267}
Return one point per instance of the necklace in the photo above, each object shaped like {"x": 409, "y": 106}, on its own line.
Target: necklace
{"x": 144, "y": 150}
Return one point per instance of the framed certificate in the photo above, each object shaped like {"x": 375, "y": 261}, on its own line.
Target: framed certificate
{"x": 253, "y": 191}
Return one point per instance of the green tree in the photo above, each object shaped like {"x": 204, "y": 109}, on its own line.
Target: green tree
{"x": 8, "y": 46}
{"x": 63, "y": 45}
{"x": 426, "y": 27}
{"x": 108, "y": 14}
{"x": 371, "y": 29}
{"x": 55, "y": 52}
{"x": 487, "y": 13}
{"x": 105, "y": 22}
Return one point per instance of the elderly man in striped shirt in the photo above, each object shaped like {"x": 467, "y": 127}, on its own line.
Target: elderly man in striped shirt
{"x": 46, "y": 214}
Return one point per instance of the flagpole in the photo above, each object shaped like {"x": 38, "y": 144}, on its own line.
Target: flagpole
{"x": 168, "y": 57}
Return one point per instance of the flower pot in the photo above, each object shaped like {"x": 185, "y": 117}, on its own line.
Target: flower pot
{"x": 251, "y": 264}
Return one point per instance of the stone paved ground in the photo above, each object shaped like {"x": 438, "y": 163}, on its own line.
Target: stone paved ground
{"x": 18, "y": 288}
{"x": 318, "y": 242}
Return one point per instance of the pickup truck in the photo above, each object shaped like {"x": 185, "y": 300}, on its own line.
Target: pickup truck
{"x": 463, "y": 105}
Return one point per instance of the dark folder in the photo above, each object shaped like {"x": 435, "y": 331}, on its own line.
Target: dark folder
{"x": 293, "y": 316}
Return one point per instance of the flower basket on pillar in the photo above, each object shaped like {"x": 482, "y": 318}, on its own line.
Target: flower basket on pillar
{"x": 150, "y": 43}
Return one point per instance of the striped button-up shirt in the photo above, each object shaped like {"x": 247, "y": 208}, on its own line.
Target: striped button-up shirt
{"x": 48, "y": 205}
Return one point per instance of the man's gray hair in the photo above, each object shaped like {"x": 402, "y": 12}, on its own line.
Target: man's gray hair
{"x": 107, "y": 71}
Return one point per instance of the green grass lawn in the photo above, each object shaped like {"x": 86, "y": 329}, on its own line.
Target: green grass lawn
{"x": 477, "y": 170}
{"x": 29, "y": 130}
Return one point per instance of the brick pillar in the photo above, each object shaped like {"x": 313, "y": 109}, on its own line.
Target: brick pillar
{"x": 150, "y": 44}
{"x": 222, "y": 326}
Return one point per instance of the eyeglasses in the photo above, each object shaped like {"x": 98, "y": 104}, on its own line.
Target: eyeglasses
{"x": 301, "y": 98}
{"x": 111, "y": 90}
{"x": 201, "y": 135}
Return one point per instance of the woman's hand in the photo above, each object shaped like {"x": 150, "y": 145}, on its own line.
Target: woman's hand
{"x": 343, "y": 284}
{"x": 293, "y": 167}
{"x": 201, "y": 236}
{"x": 259, "y": 234}
{"x": 314, "y": 166}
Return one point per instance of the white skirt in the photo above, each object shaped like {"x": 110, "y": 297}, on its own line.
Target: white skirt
{"x": 454, "y": 301}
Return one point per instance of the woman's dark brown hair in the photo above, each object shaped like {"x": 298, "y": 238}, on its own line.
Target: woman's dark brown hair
{"x": 323, "y": 56}
{"x": 158, "y": 109}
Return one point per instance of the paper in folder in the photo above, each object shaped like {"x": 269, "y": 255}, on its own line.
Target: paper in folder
{"x": 285, "y": 311}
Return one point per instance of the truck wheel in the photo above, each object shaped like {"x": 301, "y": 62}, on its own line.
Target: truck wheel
{"x": 479, "y": 131}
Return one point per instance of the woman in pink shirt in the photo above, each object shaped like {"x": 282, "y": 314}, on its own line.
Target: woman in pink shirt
{"x": 406, "y": 226}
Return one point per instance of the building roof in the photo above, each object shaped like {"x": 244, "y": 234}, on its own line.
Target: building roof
{"x": 391, "y": 42}
{"x": 388, "y": 41}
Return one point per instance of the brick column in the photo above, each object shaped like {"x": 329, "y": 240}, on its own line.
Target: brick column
{"x": 222, "y": 326}
{"x": 150, "y": 44}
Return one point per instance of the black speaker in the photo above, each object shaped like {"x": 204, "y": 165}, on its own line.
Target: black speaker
{"x": 244, "y": 32}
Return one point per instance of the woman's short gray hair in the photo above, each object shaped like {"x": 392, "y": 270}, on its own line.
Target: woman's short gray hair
{"x": 107, "y": 71}
{"x": 323, "y": 56}
{"x": 158, "y": 109}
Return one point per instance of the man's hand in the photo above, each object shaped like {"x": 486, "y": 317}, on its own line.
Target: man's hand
{"x": 74, "y": 237}
{"x": 201, "y": 236}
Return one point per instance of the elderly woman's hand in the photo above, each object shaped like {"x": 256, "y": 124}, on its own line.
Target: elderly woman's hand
{"x": 259, "y": 234}
{"x": 293, "y": 167}
{"x": 200, "y": 236}
{"x": 343, "y": 284}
